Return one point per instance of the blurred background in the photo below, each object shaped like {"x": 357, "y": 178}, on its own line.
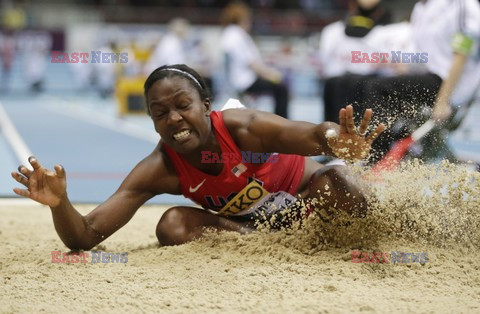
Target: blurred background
{"x": 90, "y": 116}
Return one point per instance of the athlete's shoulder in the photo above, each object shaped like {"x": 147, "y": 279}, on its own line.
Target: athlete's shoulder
{"x": 236, "y": 119}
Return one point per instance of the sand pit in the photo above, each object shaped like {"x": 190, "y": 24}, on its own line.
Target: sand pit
{"x": 283, "y": 272}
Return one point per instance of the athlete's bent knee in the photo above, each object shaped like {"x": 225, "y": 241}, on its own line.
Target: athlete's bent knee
{"x": 326, "y": 176}
{"x": 338, "y": 190}
{"x": 172, "y": 229}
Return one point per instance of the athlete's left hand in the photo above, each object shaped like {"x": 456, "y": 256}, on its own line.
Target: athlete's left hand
{"x": 352, "y": 143}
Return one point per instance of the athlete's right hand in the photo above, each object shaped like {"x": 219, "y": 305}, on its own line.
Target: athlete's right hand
{"x": 43, "y": 186}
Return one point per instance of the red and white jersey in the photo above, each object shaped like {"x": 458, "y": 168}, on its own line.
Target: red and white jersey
{"x": 215, "y": 191}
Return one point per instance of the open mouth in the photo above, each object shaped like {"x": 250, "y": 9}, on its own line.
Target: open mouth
{"x": 181, "y": 135}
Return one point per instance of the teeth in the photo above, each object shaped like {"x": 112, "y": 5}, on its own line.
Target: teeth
{"x": 181, "y": 135}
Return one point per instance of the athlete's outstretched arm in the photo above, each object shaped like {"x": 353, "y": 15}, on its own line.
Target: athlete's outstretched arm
{"x": 84, "y": 232}
{"x": 265, "y": 132}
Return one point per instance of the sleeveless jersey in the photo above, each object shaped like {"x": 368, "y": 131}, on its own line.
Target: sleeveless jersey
{"x": 215, "y": 191}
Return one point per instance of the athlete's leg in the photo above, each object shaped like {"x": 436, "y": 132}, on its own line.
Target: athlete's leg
{"x": 182, "y": 224}
{"x": 334, "y": 186}
{"x": 338, "y": 189}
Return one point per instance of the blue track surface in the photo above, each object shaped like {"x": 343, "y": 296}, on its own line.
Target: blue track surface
{"x": 96, "y": 158}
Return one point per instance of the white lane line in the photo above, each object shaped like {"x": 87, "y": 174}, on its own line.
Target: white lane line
{"x": 17, "y": 143}
{"x": 102, "y": 120}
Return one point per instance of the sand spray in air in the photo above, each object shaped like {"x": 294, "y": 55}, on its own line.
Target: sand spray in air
{"x": 430, "y": 204}
{"x": 424, "y": 204}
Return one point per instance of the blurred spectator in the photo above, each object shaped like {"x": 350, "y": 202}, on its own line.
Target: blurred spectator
{"x": 7, "y": 55}
{"x": 360, "y": 31}
{"x": 83, "y": 75}
{"x": 12, "y": 18}
{"x": 200, "y": 60}
{"x": 138, "y": 51}
{"x": 178, "y": 47}
{"x": 366, "y": 15}
{"x": 452, "y": 47}
{"x": 35, "y": 47}
{"x": 171, "y": 48}
{"x": 245, "y": 69}
{"x": 106, "y": 73}
{"x": 452, "y": 70}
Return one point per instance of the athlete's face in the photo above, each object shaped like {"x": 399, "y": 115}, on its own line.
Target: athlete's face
{"x": 180, "y": 117}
